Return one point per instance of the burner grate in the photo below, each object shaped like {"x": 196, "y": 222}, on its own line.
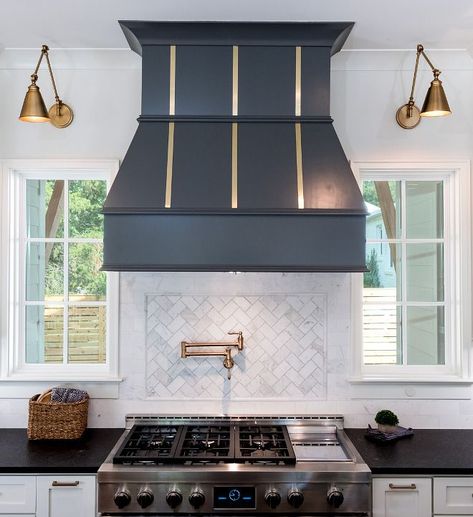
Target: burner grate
{"x": 206, "y": 444}
{"x": 148, "y": 444}
{"x": 264, "y": 444}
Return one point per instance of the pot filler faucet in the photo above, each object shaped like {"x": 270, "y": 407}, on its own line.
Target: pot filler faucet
{"x": 188, "y": 350}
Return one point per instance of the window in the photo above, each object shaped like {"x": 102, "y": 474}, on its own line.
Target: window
{"x": 61, "y": 311}
{"x": 415, "y": 297}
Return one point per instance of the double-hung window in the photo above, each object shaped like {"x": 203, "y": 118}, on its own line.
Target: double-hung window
{"x": 412, "y": 308}
{"x": 59, "y": 309}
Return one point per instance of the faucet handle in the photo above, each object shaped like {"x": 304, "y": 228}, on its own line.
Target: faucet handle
{"x": 239, "y": 339}
{"x": 228, "y": 362}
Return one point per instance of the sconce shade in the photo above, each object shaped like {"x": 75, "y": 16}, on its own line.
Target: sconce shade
{"x": 435, "y": 104}
{"x": 34, "y": 109}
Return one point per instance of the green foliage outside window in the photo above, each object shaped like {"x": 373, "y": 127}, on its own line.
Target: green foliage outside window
{"x": 85, "y": 221}
{"x": 371, "y": 277}
{"x": 370, "y": 195}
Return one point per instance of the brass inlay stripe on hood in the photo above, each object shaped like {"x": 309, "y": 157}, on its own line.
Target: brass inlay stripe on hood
{"x": 234, "y": 165}
{"x": 300, "y": 177}
{"x": 235, "y": 129}
{"x": 172, "y": 111}
{"x": 172, "y": 80}
{"x": 235, "y": 82}
{"x": 297, "y": 127}
{"x": 297, "y": 108}
{"x": 167, "y": 201}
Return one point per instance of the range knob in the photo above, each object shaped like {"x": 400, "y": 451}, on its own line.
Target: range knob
{"x": 272, "y": 498}
{"x": 197, "y": 498}
{"x": 295, "y": 498}
{"x": 174, "y": 498}
{"x": 334, "y": 497}
{"x": 145, "y": 497}
{"x": 122, "y": 498}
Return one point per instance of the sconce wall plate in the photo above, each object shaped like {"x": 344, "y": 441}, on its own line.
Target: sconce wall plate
{"x": 61, "y": 116}
{"x": 408, "y": 117}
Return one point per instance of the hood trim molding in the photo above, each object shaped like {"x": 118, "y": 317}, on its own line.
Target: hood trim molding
{"x": 273, "y": 34}
{"x": 297, "y": 212}
{"x": 236, "y": 268}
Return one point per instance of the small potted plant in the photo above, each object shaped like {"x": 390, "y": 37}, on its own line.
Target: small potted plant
{"x": 387, "y": 421}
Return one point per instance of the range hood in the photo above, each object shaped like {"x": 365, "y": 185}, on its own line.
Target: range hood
{"x": 235, "y": 165}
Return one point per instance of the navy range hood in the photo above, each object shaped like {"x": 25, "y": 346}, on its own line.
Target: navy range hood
{"x": 235, "y": 165}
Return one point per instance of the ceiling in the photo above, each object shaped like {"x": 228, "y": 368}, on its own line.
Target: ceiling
{"x": 380, "y": 24}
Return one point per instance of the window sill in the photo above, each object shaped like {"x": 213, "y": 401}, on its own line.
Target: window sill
{"x": 446, "y": 388}
{"x": 24, "y": 387}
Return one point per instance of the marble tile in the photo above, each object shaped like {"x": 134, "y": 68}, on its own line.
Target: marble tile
{"x": 284, "y": 354}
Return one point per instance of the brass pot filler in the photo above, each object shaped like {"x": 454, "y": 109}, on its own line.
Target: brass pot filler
{"x": 188, "y": 350}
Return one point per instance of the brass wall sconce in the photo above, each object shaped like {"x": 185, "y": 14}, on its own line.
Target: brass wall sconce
{"x": 34, "y": 110}
{"x": 408, "y": 116}
{"x": 188, "y": 350}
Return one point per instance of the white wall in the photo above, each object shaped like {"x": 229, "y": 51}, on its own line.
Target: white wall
{"x": 104, "y": 89}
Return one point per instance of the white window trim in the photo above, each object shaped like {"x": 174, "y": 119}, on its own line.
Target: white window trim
{"x": 12, "y": 369}
{"x": 457, "y": 222}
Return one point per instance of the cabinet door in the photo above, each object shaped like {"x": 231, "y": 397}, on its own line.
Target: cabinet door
{"x": 17, "y": 494}
{"x": 453, "y": 496}
{"x": 402, "y": 497}
{"x": 73, "y": 496}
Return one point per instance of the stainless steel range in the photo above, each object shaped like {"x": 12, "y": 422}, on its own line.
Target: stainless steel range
{"x": 234, "y": 466}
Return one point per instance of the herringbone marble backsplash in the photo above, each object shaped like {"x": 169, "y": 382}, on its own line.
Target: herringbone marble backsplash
{"x": 284, "y": 355}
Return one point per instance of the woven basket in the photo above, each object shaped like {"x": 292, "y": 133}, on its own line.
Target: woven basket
{"x": 56, "y": 420}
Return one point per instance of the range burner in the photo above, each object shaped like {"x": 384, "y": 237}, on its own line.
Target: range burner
{"x": 148, "y": 445}
{"x": 201, "y": 444}
{"x": 268, "y": 444}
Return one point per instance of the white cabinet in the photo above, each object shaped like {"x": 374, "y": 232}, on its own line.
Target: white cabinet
{"x": 402, "y": 497}
{"x": 47, "y": 496}
{"x": 17, "y": 495}
{"x": 58, "y": 496}
{"x": 453, "y": 496}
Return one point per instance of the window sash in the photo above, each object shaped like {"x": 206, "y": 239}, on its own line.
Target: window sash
{"x": 403, "y": 303}
{"x": 66, "y": 240}
{"x": 456, "y": 274}
{"x": 13, "y": 352}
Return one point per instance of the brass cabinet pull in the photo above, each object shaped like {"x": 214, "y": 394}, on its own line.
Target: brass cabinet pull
{"x": 65, "y": 483}
{"x": 412, "y": 486}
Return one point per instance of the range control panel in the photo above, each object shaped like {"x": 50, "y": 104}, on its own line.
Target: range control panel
{"x": 221, "y": 499}
{"x": 234, "y": 497}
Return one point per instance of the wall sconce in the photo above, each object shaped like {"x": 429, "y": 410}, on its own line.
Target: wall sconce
{"x": 408, "y": 116}
{"x": 34, "y": 109}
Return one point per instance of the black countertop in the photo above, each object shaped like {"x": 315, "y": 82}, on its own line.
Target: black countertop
{"x": 19, "y": 455}
{"x": 429, "y": 451}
